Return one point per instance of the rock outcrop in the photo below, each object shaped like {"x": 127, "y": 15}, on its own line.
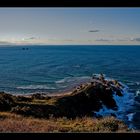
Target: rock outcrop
{"x": 83, "y": 101}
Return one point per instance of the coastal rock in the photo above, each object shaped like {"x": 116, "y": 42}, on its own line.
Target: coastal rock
{"x": 23, "y": 99}
{"x": 6, "y": 101}
{"x": 39, "y": 96}
{"x": 85, "y": 100}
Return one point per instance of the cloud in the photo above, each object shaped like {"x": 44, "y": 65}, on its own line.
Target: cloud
{"x": 30, "y": 38}
{"x": 130, "y": 39}
{"x": 93, "y": 31}
{"x": 123, "y": 39}
{"x": 102, "y": 39}
{"x": 5, "y": 43}
{"x": 63, "y": 40}
{"x": 135, "y": 39}
{"x": 68, "y": 40}
{"x": 114, "y": 39}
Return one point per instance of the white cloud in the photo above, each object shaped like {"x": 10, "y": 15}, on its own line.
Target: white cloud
{"x": 5, "y": 43}
{"x": 30, "y": 38}
{"x": 135, "y": 39}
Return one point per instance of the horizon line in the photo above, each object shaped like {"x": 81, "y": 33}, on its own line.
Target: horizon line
{"x": 71, "y": 45}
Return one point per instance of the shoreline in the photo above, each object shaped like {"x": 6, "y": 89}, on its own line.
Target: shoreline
{"x": 88, "y": 99}
{"x": 56, "y": 94}
{"x": 53, "y": 94}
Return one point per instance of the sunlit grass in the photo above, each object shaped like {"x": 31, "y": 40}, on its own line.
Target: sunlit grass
{"x": 10, "y": 122}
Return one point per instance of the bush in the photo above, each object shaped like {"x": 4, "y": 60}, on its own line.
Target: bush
{"x": 6, "y": 101}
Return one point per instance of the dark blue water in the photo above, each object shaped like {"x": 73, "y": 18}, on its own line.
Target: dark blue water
{"x": 59, "y": 68}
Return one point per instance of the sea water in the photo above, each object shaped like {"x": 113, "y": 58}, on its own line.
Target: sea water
{"x": 58, "y": 68}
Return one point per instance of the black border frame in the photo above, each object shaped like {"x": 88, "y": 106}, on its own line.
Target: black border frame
{"x": 69, "y": 3}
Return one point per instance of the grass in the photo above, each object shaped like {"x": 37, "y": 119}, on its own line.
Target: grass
{"x": 48, "y": 101}
{"x": 10, "y": 122}
{"x": 65, "y": 113}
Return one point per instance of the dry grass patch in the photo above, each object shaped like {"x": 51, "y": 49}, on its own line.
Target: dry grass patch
{"x": 16, "y": 123}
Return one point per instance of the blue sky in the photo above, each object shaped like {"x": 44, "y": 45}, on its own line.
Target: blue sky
{"x": 70, "y": 26}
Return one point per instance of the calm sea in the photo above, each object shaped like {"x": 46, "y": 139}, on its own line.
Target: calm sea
{"x": 50, "y": 69}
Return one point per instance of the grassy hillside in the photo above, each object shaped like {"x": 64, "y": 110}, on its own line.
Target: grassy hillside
{"x": 65, "y": 113}
{"x": 10, "y": 122}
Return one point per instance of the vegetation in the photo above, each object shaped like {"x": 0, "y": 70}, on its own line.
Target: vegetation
{"x": 64, "y": 113}
{"x": 10, "y": 122}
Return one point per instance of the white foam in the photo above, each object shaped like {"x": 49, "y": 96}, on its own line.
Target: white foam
{"x": 131, "y": 84}
{"x": 137, "y": 83}
{"x": 130, "y": 116}
{"x": 36, "y": 87}
{"x": 76, "y": 66}
{"x": 105, "y": 111}
{"x": 124, "y": 104}
{"x": 137, "y": 92}
{"x": 72, "y": 79}
{"x": 60, "y": 81}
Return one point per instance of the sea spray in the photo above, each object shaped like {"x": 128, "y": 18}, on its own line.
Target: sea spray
{"x": 125, "y": 105}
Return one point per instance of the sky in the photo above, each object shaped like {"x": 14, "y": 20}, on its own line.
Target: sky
{"x": 69, "y": 26}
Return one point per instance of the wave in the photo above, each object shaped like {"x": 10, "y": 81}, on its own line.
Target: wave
{"x": 76, "y": 66}
{"x": 36, "y": 87}
{"x": 137, "y": 92}
{"x": 125, "y": 104}
{"x": 72, "y": 79}
{"x": 132, "y": 83}
{"x": 60, "y": 81}
{"x": 131, "y": 116}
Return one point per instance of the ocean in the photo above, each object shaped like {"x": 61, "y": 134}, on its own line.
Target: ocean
{"x": 59, "y": 68}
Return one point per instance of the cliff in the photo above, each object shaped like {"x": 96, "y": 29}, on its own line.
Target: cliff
{"x": 70, "y": 112}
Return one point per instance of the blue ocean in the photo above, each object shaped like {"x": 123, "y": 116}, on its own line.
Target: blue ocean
{"x": 59, "y": 68}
